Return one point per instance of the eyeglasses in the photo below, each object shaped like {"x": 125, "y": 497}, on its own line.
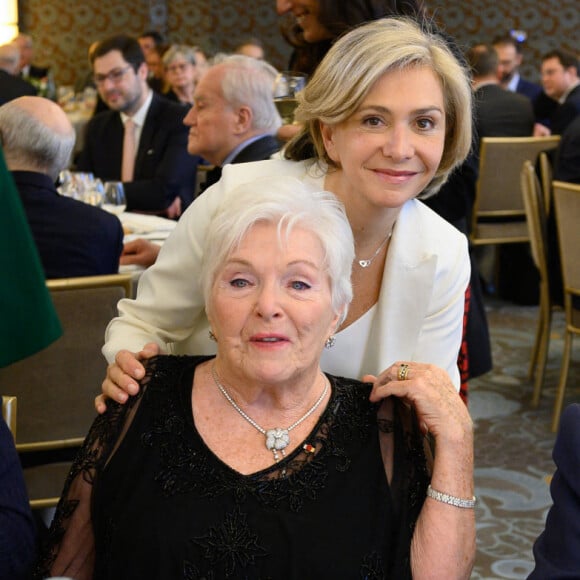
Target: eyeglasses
{"x": 179, "y": 67}
{"x": 114, "y": 76}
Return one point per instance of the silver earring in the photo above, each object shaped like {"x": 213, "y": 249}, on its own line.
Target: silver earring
{"x": 212, "y": 336}
{"x": 330, "y": 342}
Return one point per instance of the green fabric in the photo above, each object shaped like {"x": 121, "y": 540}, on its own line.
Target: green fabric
{"x": 28, "y": 320}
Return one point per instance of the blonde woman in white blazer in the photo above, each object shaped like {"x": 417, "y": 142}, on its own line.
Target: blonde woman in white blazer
{"x": 386, "y": 117}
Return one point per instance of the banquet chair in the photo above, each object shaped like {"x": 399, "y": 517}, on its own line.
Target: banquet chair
{"x": 537, "y": 226}
{"x": 546, "y": 179}
{"x": 498, "y": 215}
{"x": 498, "y": 212}
{"x": 567, "y": 208}
{"x": 9, "y": 406}
{"x": 56, "y": 387}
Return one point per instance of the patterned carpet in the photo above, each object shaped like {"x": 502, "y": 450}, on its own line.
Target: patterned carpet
{"x": 513, "y": 442}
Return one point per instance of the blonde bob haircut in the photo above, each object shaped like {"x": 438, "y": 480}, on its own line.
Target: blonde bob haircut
{"x": 357, "y": 61}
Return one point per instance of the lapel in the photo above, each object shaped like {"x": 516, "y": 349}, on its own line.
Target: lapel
{"x": 259, "y": 150}
{"x": 405, "y": 292}
{"x": 113, "y": 151}
{"x": 212, "y": 176}
{"x": 146, "y": 142}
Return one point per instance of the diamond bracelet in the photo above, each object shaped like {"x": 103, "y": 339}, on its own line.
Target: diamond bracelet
{"x": 450, "y": 499}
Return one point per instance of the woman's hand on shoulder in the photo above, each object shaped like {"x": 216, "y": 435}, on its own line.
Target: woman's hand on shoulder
{"x": 123, "y": 376}
{"x": 431, "y": 392}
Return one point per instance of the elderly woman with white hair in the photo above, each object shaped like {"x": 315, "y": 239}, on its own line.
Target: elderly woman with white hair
{"x": 254, "y": 463}
{"x": 180, "y": 66}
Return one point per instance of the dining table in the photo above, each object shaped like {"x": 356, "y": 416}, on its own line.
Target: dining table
{"x": 154, "y": 228}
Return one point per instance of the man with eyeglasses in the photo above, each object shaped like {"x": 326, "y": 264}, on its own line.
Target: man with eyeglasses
{"x": 141, "y": 140}
{"x": 562, "y": 84}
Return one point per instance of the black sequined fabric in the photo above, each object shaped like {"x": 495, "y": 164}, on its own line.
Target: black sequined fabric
{"x": 159, "y": 504}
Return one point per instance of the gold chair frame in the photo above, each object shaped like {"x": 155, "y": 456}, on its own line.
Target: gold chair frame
{"x": 9, "y": 412}
{"x": 536, "y": 219}
{"x": 567, "y": 207}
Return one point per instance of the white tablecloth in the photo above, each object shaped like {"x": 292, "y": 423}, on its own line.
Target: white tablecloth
{"x": 149, "y": 227}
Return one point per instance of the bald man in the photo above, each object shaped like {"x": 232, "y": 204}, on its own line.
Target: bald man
{"x": 12, "y": 86}
{"x": 73, "y": 238}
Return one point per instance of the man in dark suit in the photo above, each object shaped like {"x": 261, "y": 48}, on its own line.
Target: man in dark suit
{"x": 12, "y": 86}
{"x": 561, "y": 83}
{"x": 509, "y": 52}
{"x": 232, "y": 120}
{"x": 73, "y": 238}
{"x": 498, "y": 112}
{"x": 158, "y": 174}
{"x": 39, "y": 76}
{"x": 557, "y": 550}
{"x": 567, "y": 165}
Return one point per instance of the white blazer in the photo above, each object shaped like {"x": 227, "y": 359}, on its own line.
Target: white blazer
{"x": 419, "y": 315}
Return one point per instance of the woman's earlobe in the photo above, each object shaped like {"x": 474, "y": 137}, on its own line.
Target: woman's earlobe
{"x": 326, "y": 133}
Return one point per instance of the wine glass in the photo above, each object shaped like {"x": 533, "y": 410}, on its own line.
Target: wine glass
{"x": 114, "y": 198}
{"x": 286, "y": 85}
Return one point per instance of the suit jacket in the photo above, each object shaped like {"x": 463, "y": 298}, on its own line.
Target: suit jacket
{"x": 38, "y": 72}
{"x": 73, "y": 238}
{"x": 557, "y": 550}
{"x": 566, "y": 112}
{"x": 419, "y": 314}
{"x": 163, "y": 168}
{"x": 12, "y": 87}
{"x": 17, "y": 529}
{"x": 567, "y": 165}
{"x": 501, "y": 113}
{"x": 258, "y": 150}
{"x": 528, "y": 89}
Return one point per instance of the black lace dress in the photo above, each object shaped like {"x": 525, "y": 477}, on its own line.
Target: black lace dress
{"x": 146, "y": 498}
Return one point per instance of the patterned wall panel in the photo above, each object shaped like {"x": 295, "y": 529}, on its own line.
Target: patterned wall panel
{"x": 64, "y": 29}
{"x": 548, "y": 24}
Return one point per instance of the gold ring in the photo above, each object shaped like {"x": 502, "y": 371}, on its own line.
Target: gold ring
{"x": 403, "y": 372}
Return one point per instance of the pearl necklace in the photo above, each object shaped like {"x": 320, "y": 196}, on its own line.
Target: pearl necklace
{"x": 366, "y": 263}
{"x": 276, "y": 439}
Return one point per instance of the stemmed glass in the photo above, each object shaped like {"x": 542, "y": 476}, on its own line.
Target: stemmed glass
{"x": 114, "y": 198}
{"x": 286, "y": 85}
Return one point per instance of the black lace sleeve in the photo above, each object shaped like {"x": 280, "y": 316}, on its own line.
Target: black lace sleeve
{"x": 408, "y": 462}
{"x": 70, "y": 547}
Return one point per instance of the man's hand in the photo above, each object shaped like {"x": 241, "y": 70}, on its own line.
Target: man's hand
{"x": 141, "y": 252}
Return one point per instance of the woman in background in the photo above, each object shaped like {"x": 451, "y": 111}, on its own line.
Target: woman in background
{"x": 318, "y": 23}
{"x": 180, "y": 73}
